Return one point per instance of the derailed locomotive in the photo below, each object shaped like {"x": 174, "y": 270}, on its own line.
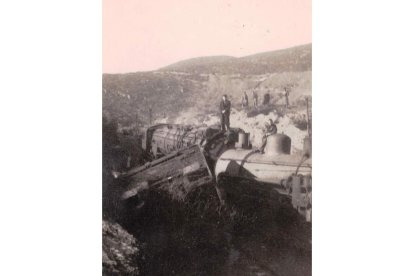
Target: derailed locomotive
{"x": 186, "y": 157}
{"x": 162, "y": 139}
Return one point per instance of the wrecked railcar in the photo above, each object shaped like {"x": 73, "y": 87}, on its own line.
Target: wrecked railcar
{"x": 187, "y": 157}
{"x": 178, "y": 173}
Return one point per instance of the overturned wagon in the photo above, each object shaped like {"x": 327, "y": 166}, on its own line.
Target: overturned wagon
{"x": 177, "y": 173}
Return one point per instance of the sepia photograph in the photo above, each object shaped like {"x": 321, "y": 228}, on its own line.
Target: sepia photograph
{"x": 155, "y": 137}
{"x": 207, "y": 137}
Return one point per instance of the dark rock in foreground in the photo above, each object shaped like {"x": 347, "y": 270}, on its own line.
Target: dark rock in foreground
{"x": 120, "y": 251}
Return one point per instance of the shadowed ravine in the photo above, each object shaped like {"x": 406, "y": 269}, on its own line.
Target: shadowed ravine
{"x": 248, "y": 237}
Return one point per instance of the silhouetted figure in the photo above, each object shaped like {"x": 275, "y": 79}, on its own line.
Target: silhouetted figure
{"x": 270, "y": 130}
{"x": 225, "y": 107}
{"x": 266, "y": 98}
{"x": 287, "y": 97}
{"x": 255, "y": 98}
{"x": 245, "y": 100}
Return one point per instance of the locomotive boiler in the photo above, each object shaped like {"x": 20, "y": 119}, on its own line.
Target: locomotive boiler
{"x": 274, "y": 170}
{"x": 162, "y": 139}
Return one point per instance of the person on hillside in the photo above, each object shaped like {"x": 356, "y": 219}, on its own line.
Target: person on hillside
{"x": 266, "y": 98}
{"x": 245, "y": 100}
{"x": 270, "y": 129}
{"x": 225, "y": 106}
{"x": 286, "y": 94}
{"x": 255, "y": 98}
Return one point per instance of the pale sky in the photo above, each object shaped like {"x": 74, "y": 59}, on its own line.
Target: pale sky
{"x": 143, "y": 35}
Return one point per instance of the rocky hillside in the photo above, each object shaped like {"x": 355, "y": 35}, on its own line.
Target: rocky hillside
{"x": 199, "y": 83}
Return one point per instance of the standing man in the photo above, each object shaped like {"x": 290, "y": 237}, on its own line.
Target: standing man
{"x": 255, "y": 98}
{"x": 266, "y": 98}
{"x": 245, "y": 100}
{"x": 287, "y": 97}
{"x": 225, "y": 107}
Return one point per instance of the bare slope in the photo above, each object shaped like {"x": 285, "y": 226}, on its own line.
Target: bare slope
{"x": 287, "y": 60}
{"x": 199, "y": 65}
{"x": 199, "y": 83}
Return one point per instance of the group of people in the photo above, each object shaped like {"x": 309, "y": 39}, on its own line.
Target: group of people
{"x": 266, "y": 98}
{"x": 225, "y": 108}
{"x": 245, "y": 99}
